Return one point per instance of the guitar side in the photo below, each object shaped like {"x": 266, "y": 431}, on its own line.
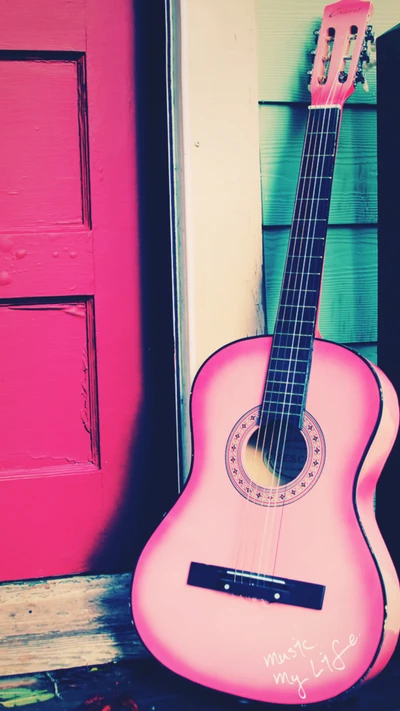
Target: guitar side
{"x": 326, "y": 530}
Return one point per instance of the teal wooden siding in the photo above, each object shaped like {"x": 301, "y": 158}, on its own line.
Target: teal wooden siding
{"x": 349, "y": 294}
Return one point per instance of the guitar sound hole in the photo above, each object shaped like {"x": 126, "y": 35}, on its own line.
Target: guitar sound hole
{"x": 275, "y": 455}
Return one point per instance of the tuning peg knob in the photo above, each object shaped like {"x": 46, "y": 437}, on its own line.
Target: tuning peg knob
{"x": 364, "y": 56}
{"x": 369, "y": 35}
{"x": 316, "y": 35}
{"x": 359, "y": 77}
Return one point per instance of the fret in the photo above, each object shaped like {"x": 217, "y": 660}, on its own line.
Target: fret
{"x": 302, "y": 257}
{"x": 308, "y": 291}
{"x": 295, "y": 320}
{"x": 292, "y": 283}
{"x": 290, "y": 365}
{"x": 304, "y": 306}
{"x": 293, "y": 299}
{"x": 298, "y": 333}
{"x": 288, "y": 348}
{"x": 289, "y": 404}
{"x": 278, "y": 411}
{"x": 282, "y": 387}
{"x": 315, "y": 198}
{"x": 288, "y": 384}
{"x": 306, "y": 238}
{"x": 296, "y": 374}
{"x": 318, "y": 155}
{"x": 291, "y": 360}
{"x": 302, "y": 340}
{"x": 294, "y": 397}
{"x": 326, "y": 147}
{"x": 310, "y": 207}
{"x": 301, "y": 273}
{"x": 320, "y": 186}
{"x": 306, "y": 247}
{"x": 298, "y": 306}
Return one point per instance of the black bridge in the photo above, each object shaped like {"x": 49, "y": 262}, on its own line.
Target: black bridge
{"x": 261, "y": 587}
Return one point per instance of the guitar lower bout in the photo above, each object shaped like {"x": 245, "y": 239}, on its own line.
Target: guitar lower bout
{"x": 232, "y": 578}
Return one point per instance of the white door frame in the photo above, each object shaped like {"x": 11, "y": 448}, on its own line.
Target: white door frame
{"x": 215, "y": 185}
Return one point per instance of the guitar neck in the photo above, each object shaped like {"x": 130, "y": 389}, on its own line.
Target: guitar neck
{"x": 287, "y": 377}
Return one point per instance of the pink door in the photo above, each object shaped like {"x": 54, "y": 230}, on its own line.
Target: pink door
{"x": 70, "y": 361}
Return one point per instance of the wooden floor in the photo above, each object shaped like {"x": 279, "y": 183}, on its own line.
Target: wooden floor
{"x": 154, "y": 688}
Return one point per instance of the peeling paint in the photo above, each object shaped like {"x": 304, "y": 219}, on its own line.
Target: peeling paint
{"x": 49, "y": 458}
{"x": 85, "y": 411}
{"x": 76, "y": 310}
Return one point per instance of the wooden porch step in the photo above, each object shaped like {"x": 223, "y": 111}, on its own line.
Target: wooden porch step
{"x": 66, "y": 622}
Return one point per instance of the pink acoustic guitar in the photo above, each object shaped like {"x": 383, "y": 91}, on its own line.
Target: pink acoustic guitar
{"x": 269, "y": 578}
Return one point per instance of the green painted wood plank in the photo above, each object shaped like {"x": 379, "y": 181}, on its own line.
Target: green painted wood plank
{"x": 354, "y": 193}
{"x": 368, "y": 350}
{"x": 285, "y": 39}
{"x": 349, "y": 292}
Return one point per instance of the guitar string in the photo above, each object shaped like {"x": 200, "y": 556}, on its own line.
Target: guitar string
{"x": 337, "y": 120}
{"x": 301, "y": 253}
{"x": 333, "y": 124}
{"x": 312, "y": 118}
{"x": 326, "y": 163}
{"x": 259, "y": 452}
{"x": 305, "y": 257}
{"x": 327, "y": 110}
{"x": 285, "y": 307}
{"x": 318, "y": 182}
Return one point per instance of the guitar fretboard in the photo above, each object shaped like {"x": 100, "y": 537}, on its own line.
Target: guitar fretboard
{"x": 287, "y": 377}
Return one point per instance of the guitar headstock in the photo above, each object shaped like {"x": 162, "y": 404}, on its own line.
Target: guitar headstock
{"x": 342, "y": 51}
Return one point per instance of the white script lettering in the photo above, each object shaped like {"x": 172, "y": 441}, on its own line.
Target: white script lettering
{"x": 329, "y": 662}
{"x": 282, "y": 678}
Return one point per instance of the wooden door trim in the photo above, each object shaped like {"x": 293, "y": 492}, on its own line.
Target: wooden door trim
{"x": 66, "y": 622}
{"x": 215, "y": 185}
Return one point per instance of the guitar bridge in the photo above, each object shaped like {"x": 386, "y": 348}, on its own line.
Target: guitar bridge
{"x": 258, "y": 586}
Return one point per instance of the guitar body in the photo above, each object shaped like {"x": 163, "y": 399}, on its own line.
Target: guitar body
{"x": 318, "y": 528}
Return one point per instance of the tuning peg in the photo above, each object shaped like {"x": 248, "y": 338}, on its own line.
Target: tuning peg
{"x": 316, "y": 36}
{"x": 360, "y": 78}
{"x": 369, "y": 35}
{"x": 364, "y": 56}
{"x": 309, "y": 74}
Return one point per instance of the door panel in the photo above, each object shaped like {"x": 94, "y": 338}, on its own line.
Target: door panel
{"x": 42, "y": 425}
{"x": 71, "y": 361}
{"x": 39, "y": 143}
